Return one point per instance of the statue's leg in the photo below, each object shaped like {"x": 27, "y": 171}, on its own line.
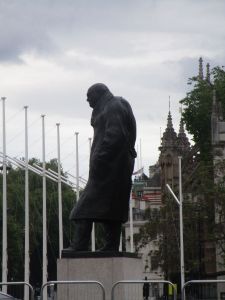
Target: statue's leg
{"x": 112, "y": 231}
{"x": 82, "y": 235}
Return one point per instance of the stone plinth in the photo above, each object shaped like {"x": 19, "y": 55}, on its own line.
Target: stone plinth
{"x": 105, "y": 267}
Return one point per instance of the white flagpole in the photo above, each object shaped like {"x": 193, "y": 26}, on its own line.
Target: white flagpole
{"x": 137, "y": 159}
{"x": 141, "y": 158}
{"x": 27, "y": 239}
{"x": 131, "y": 226}
{"x": 44, "y": 258}
{"x": 4, "y": 205}
{"x": 77, "y": 167}
{"x": 93, "y": 228}
{"x": 59, "y": 194}
{"x": 121, "y": 242}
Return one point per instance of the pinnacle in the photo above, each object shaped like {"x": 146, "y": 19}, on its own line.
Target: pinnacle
{"x": 169, "y": 136}
{"x": 200, "y": 74}
{"x": 182, "y": 139}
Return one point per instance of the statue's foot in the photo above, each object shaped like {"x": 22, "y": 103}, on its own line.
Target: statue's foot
{"x": 70, "y": 248}
{"x": 108, "y": 249}
{"x": 75, "y": 249}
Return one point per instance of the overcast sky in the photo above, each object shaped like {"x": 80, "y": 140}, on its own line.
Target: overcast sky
{"x": 51, "y": 51}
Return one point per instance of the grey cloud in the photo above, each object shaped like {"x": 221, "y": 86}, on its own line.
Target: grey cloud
{"x": 23, "y": 31}
{"x": 113, "y": 42}
{"x": 48, "y": 26}
{"x": 143, "y": 50}
{"x": 148, "y": 88}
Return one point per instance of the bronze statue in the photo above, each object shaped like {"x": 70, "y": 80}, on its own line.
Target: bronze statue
{"x": 106, "y": 196}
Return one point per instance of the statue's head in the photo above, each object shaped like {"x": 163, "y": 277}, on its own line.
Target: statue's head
{"x": 95, "y": 92}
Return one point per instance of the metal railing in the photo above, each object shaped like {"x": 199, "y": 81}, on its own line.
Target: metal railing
{"x": 53, "y": 284}
{"x": 17, "y": 283}
{"x": 198, "y": 282}
{"x": 124, "y": 282}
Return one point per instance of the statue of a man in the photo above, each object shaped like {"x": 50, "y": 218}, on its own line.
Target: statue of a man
{"x": 105, "y": 198}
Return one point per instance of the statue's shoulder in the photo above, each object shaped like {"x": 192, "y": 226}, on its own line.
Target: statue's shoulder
{"x": 120, "y": 101}
{"x": 117, "y": 104}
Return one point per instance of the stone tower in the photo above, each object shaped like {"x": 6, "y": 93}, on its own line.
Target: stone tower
{"x": 200, "y": 69}
{"x": 183, "y": 143}
{"x": 172, "y": 146}
{"x": 168, "y": 158}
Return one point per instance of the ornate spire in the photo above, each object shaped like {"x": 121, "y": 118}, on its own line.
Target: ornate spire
{"x": 169, "y": 121}
{"x": 181, "y": 130}
{"x": 169, "y": 136}
{"x": 200, "y": 72}
{"x": 169, "y": 118}
{"x": 208, "y": 72}
{"x": 182, "y": 139}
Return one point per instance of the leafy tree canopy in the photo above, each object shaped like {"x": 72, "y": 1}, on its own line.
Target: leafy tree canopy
{"x": 16, "y": 222}
{"x": 198, "y": 108}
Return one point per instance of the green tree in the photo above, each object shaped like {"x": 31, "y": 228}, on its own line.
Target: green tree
{"x": 197, "y": 117}
{"x": 198, "y": 108}
{"x": 163, "y": 229}
{"x": 15, "y": 199}
{"x": 200, "y": 191}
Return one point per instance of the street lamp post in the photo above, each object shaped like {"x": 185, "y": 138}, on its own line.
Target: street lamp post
{"x": 180, "y": 203}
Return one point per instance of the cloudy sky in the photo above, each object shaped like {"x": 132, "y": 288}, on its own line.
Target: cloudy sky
{"x": 51, "y": 51}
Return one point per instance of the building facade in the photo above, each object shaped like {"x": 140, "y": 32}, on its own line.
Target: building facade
{"x": 149, "y": 191}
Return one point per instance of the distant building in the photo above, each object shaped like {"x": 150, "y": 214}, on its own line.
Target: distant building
{"x": 148, "y": 191}
{"x": 172, "y": 146}
{"x": 218, "y": 145}
{"x": 146, "y": 194}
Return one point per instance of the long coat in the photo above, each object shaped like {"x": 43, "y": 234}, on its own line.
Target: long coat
{"x": 106, "y": 195}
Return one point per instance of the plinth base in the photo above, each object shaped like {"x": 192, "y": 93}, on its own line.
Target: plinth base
{"x": 98, "y": 254}
{"x": 105, "y": 267}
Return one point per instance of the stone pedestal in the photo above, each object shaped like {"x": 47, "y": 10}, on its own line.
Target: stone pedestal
{"x": 105, "y": 267}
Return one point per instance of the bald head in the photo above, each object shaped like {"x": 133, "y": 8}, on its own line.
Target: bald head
{"x": 95, "y": 92}
{"x": 99, "y": 88}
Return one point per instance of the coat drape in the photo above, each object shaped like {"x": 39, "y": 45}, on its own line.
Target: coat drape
{"x": 106, "y": 195}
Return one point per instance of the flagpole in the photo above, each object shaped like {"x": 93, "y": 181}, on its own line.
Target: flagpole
{"x": 93, "y": 228}
{"x": 141, "y": 156}
{"x": 44, "y": 244}
{"x": 131, "y": 226}
{"x": 27, "y": 231}
{"x": 77, "y": 167}
{"x": 137, "y": 159}
{"x": 59, "y": 194}
{"x": 4, "y": 205}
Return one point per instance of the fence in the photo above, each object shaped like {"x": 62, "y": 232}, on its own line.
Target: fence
{"x": 203, "y": 290}
{"x": 126, "y": 289}
{"x": 135, "y": 292}
{"x": 82, "y": 290}
{"x": 18, "y": 292}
